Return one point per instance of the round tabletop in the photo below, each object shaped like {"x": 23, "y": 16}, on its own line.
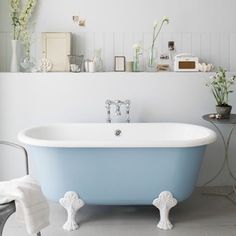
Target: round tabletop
{"x": 231, "y": 120}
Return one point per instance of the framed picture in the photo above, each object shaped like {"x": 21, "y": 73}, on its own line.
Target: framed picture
{"x": 119, "y": 64}
{"x": 56, "y": 48}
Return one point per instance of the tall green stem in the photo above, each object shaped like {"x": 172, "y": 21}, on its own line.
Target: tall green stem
{"x": 155, "y": 35}
{"x": 158, "y": 32}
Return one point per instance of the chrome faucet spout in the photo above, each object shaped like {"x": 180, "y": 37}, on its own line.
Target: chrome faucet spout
{"x": 118, "y": 104}
{"x": 118, "y": 112}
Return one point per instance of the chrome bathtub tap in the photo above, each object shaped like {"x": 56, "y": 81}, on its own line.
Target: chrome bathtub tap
{"x": 118, "y": 104}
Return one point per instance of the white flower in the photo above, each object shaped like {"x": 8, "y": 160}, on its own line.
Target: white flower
{"x": 20, "y": 21}
{"x": 27, "y": 12}
{"x": 157, "y": 29}
{"x": 220, "y": 74}
{"x": 137, "y": 49}
{"x": 155, "y": 23}
{"x": 166, "y": 19}
{"x": 137, "y": 46}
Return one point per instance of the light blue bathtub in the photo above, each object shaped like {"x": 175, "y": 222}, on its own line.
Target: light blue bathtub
{"x": 117, "y": 176}
{"x": 132, "y": 168}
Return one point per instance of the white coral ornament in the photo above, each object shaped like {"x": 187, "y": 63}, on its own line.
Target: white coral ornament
{"x": 164, "y": 203}
{"x": 45, "y": 65}
{"x": 203, "y": 67}
{"x": 72, "y": 203}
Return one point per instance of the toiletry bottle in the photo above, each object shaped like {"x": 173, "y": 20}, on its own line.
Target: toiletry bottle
{"x": 172, "y": 52}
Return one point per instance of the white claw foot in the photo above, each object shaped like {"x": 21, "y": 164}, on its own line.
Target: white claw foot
{"x": 72, "y": 203}
{"x": 164, "y": 203}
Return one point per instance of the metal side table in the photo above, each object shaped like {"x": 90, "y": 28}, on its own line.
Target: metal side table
{"x": 231, "y": 194}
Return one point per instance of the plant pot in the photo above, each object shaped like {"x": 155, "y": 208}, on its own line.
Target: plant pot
{"x": 224, "y": 111}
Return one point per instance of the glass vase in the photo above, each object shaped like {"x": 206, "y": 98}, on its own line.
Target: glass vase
{"x": 98, "y": 60}
{"x": 138, "y": 65}
{"x": 152, "y": 60}
{"x": 28, "y": 64}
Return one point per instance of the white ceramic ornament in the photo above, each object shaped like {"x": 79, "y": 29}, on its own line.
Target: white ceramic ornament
{"x": 204, "y": 67}
{"x": 45, "y": 65}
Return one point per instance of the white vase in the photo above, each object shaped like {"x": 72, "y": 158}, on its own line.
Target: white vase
{"x": 14, "y": 59}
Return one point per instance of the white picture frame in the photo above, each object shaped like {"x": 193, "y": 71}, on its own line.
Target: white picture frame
{"x": 56, "y": 47}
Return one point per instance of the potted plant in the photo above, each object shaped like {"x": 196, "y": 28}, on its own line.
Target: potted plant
{"x": 221, "y": 85}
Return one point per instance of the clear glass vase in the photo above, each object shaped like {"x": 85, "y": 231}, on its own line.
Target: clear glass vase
{"x": 28, "y": 64}
{"x": 98, "y": 60}
{"x": 152, "y": 60}
{"x": 138, "y": 65}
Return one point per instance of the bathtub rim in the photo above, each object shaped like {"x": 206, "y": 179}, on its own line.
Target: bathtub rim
{"x": 25, "y": 139}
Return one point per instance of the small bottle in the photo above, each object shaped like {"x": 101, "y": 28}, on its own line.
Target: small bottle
{"x": 171, "y": 47}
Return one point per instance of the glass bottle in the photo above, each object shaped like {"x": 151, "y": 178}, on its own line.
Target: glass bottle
{"x": 152, "y": 59}
{"x": 138, "y": 64}
{"x": 98, "y": 60}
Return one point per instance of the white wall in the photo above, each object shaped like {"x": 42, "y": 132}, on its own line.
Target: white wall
{"x": 204, "y": 28}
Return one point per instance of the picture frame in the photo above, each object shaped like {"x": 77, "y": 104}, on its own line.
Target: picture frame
{"x": 119, "y": 63}
{"x": 56, "y": 47}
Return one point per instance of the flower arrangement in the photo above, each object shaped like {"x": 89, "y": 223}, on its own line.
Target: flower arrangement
{"x": 20, "y": 21}
{"x": 156, "y": 31}
{"x": 137, "y": 52}
{"x": 221, "y": 87}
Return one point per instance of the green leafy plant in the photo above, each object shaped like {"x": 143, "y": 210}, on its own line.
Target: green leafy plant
{"x": 221, "y": 85}
{"x": 20, "y": 21}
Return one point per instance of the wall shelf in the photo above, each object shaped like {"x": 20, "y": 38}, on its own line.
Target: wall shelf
{"x": 104, "y": 75}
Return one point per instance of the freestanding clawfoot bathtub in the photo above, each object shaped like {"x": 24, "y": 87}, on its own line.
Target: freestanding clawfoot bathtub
{"x": 118, "y": 164}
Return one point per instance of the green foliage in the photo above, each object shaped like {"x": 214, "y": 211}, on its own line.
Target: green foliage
{"x": 20, "y": 22}
{"x": 221, "y": 87}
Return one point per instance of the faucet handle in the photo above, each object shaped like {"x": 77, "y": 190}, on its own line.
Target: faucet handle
{"x": 127, "y": 104}
{"x": 128, "y": 101}
{"x": 108, "y": 102}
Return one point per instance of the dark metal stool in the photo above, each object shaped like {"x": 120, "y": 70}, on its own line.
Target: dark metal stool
{"x": 6, "y": 210}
